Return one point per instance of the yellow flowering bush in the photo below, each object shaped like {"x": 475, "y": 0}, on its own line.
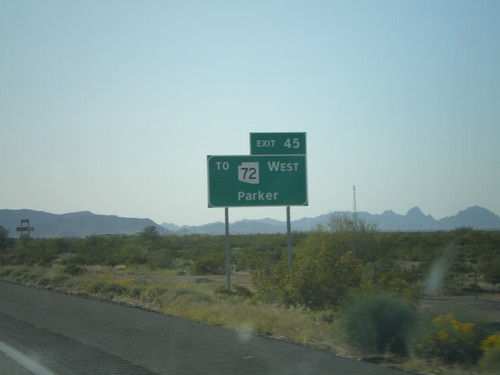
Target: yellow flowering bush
{"x": 490, "y": 360}
{"x": 450, "y": 341}
{"x": 490, "y": 342}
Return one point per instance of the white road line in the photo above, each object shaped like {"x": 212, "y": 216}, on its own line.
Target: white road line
{"x": 25, "y": 361}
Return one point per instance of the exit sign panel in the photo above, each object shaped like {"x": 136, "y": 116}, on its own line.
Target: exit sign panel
{"x": 278, "y": 143}
{"x": 257, "y": 180}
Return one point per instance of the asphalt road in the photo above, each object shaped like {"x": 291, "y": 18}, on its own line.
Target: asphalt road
{"x": 70, "y": 335}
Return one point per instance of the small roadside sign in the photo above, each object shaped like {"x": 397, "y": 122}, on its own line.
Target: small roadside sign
{"x": 25, "y": 229}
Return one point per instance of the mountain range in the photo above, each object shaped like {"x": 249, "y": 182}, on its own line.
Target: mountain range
{"x": 82, "y": 224}
{"x": 75, "y": 224}
{"x": 414, "y": 220}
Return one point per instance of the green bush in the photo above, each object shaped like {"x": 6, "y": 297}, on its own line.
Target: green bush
{"x": 376, "y": 322}
{"x": 326, "y": 267}
{"x": 450, "y": 341}
{"x": 152, "y": 293}
{"x": 322, "y": 282}
{"x": 114, "y": 289}
{"x": 4, "y": 236}
{"x": 130, "y": 254}
{"x": 188, "y": 294}
{"x": 315, "y": 281}
{"x": 236, "y": 290}
{"x": 490, "y": 361}
{"x": 6, "y": 272}
{"x": 271, "y": 283}
{"x": 210, "y": 264}
{"x": 241, "y": 291}
{"x": 20, "y": 274}
{"x": 491, "y": 270}
{"x": 74, "y": 270}
{"x": 60, "y": 281}
{"x": 96, "y": 287}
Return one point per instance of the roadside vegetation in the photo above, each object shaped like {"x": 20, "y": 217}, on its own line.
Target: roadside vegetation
{"x": 409, "y": 300}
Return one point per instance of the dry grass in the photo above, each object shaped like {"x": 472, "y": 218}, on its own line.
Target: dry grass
{"x": 191, "y": 297}
{"x": 197, "y": 298}
{"x": 485, "y": 308}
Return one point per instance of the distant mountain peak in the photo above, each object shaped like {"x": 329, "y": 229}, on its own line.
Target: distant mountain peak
{"x": 476, "y": 209}
{"x": 171, "y": 226}
{"x": 388, "y": 212}
{"x": 78, "y": 213}
{"x": 415, "y": 212}
{"x": 475, "y": 217}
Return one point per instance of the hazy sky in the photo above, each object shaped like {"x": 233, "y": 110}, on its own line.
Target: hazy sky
{"x": 112, "y": 106}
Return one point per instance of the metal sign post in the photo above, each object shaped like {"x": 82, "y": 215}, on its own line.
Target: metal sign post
{"x": 289, "y": 235}
{"x": 228, "y": 249}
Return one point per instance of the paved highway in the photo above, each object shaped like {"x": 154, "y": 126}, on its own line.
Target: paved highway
{"x": 69, "y": 335}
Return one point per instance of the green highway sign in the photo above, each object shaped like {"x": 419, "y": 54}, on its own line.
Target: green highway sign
{"x": 277, "y": 143}
{"x": 257, "y": 180}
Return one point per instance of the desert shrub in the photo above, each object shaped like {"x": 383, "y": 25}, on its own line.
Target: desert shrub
{"x": 135, "y": 291}
{"x": 74, "y": 269}
{"x": 150, "y": 234}
{"x": 129, "y": 254}
{"x": 162, "y": 260}
{"x": 315, "y": 280}
{"x": 60, "y": 281}
{"x": 491, "y": 270}
{"x": 393, "y": 276}
{"x": 236, "y": 290}
{"x": 490, "y": 360}
{"x": 326, "y": 266}
{"x": 377, "y": 322}
{"x": 490, "y": 342}
{"x": 20, "y": 274}
{"x": 151, "y": 293}
{"x": 24, "y": 251}
{"x": 209, "y": 264}
{"x": 115, "y": 289}
{"x": 44, "y": 282}
{"x": 4, "y": 236}
{"x": 6, "y": 272}
{"x": 254, "y": 258}
{"x": 188, "y": 294}
{"x": 350, "y": 233}
{"x": 271, "y": 283}
{"x": 323, "y": 281}
{"x": 3, "y": 260}
{"x": 449, "y": 341}
{"x": 242, "y": 291}
{"x": 96, "y": 286}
